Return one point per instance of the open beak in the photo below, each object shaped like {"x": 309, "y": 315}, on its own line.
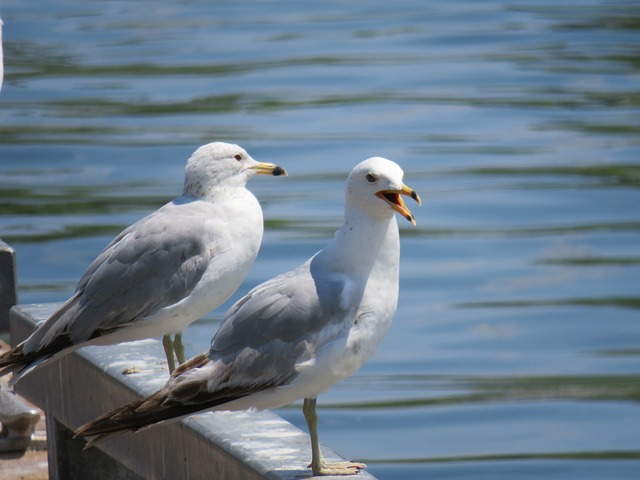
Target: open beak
{"x": 394, "y": 198}
{"x": 269, "y": 169}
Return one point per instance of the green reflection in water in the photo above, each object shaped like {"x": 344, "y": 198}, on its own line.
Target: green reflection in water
{"x": 631, "y": 226}
{"x": 610, "y": 175}
{"x": 99, "y": 107}
{"x": 591, "y": 455}
{"x": 500, "y": 389}
{"x": 61, "y": 206}
{"x": 620, "y": 302}
{"x": 30, "y": 60}
{"x": 595, "y": 128}
{"x": 63, "y": 199}
{"x": 47, "y": 287}
{"x": 622, "y": 352}
{"x": 68, "y": 232}
{"x": 591, "y": 261}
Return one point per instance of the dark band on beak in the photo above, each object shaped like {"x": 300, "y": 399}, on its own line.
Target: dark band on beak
{"x": 278, "y": 171}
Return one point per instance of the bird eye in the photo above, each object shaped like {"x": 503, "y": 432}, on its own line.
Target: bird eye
{"x": 238, "y": 156}
{"x": 370, "y": 177}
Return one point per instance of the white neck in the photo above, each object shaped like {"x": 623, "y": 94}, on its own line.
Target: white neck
{"x": 202, "y": 191}
{"x": 365, "y": 242}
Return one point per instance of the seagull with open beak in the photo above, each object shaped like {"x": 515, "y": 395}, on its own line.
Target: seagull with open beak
{"x": 299, "y": 333}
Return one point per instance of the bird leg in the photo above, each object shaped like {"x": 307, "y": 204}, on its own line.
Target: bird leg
{"x": 168, "y": 351}
{"x": 178, "y": 347}
{"x": 318, "y": 464}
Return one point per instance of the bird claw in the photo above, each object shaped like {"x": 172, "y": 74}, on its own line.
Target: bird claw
{"x": 338, "y": 468}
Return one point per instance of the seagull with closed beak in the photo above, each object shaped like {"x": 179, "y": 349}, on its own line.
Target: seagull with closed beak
{"x": 164, "y": 271}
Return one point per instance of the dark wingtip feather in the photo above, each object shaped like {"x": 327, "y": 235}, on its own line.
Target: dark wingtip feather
{"x": 11, "y": 360}
{"x": 19, "y": 363}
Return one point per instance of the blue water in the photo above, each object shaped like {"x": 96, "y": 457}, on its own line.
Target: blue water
{"x": 515, "y": 352}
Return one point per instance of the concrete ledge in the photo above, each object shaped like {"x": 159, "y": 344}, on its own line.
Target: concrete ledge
{"x": 87, "y": 383}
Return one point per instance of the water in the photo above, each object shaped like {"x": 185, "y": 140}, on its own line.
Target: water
{"x": 515, "y": 352}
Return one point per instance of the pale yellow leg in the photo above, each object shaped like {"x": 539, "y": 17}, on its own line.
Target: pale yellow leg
{"x": 318, "y": 464}
{"x": 178, "y": 347}
{"x": 168, "y": 351}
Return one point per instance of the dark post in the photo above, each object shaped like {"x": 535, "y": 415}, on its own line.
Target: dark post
{"x": 8, "y": 296}
{"x": 18, "y": 419}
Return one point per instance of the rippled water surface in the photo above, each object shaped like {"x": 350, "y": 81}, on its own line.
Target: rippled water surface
{"x": 515, "y": 352}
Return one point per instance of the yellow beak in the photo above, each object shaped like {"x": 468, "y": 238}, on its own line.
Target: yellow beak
{"x": 269, "y": 169}
{"x": 393, "y": 198}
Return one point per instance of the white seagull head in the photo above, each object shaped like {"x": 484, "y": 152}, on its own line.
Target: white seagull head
{"x": 222, "y": 164}
{"x": 375, "y": 187}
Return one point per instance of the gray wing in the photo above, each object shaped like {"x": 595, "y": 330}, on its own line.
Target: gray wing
{"x": 279, "y": 324}
{"x": 152, "y": 264}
